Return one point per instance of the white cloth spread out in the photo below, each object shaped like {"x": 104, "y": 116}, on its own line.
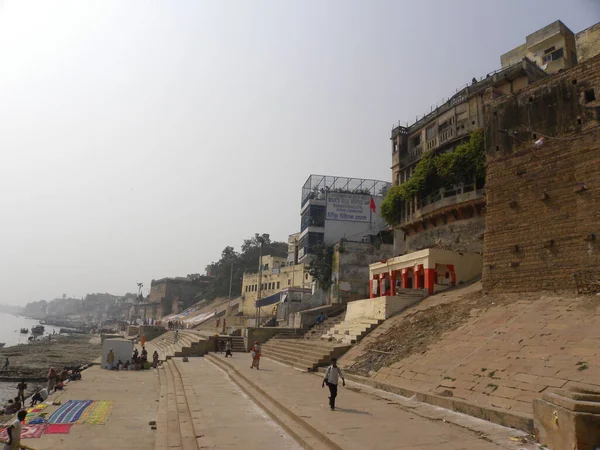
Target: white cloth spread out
{"x": 333, "y": 374}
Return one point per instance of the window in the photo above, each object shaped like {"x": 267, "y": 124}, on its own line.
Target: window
{"x": 589, "y": 95}
{"x": 549, "y": 50}
{"x": 416, "y": 140}
{"x": 430, "y": 132}
{"x": 306, "y": 276}
{"x": 278, "y": 285}
{"x": 289, "y": 282}
{"x": 555, "y": 55}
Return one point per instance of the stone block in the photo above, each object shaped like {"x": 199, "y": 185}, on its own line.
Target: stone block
{"x": 568, "y": 419}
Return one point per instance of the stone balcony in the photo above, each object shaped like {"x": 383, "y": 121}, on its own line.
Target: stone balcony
{"x": 462, "y": 202}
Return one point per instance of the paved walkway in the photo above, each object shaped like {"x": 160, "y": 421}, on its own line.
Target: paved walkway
{"x": 360, "y": 421}
{"x": 135, "y": 397}
{"x": 224, "y": 417}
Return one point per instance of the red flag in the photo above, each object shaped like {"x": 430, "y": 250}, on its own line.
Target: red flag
{"x": 372, "y": 205}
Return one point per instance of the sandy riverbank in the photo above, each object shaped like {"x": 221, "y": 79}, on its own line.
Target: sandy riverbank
{"x": 32, "y": 361}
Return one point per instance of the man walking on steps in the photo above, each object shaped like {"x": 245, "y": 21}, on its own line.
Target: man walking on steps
{"x": 331, "y": 378}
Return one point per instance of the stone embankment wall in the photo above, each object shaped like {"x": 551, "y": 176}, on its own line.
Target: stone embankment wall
{"x": 543, "y": 202}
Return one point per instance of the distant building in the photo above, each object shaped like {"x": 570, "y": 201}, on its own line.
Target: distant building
{"x": 171, "y": 295}
{"x": 293, "y": 242}
{"x": 555, "y": 47}
{"x": 334, "y": 208}
{"x": 276, "y": 276}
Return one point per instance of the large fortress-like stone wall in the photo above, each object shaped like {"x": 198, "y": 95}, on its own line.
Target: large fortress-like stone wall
{"x": 543, "y": 201}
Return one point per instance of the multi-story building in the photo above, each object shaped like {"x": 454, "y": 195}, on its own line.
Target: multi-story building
{"x": 333, "y": 208}
{"x": 293, "y": 241}
{"x": 555, "y": 47}
{"x": 275, "y": 275}
{"x": 450, "y": 217}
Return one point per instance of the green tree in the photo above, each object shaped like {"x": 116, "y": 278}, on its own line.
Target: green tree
{"x": 320, "y": 266}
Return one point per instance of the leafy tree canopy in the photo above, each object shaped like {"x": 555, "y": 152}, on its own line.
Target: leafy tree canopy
{"x": 244, "y": 261}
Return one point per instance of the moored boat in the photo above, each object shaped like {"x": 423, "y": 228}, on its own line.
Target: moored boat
{"x": 24, "y": 330}
{"x": 38, "y": 329}
{"x": 2, "y": 344}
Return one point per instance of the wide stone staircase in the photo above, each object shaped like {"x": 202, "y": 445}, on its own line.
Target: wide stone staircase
{"x": 302, "y": 354}
{"x": 317, "y": 331}
{"x": 186, "y": 343}
{"x": 351, "y": 331}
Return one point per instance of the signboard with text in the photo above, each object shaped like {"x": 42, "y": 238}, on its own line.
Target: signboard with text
{"x": 348, "y": 207}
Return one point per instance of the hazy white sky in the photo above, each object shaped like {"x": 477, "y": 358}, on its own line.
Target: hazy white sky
{"x": 139, "y": 138}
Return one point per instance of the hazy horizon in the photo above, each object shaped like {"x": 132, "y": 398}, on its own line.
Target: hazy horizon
{"x": 141, "y": 138}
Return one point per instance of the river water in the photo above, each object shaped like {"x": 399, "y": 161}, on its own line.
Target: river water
{"x": 10, "y": 326}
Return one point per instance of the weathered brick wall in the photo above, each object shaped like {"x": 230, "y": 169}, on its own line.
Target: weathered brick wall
{"x": 543, "y": 204}
{"x": 464, "y": 235}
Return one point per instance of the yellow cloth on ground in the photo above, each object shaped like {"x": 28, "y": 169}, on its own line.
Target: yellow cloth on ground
{"x": 97, "y": 413}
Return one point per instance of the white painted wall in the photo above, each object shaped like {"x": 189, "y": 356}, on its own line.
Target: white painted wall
{"x": 122, "y": 348}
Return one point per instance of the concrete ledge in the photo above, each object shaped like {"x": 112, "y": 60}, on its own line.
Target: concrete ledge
{"x": 379, "y": 308}
{"x": 511, "y": 419}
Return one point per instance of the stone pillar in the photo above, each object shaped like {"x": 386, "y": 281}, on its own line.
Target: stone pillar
{"x": 417, "y": 278}
{"x": 404, "y": 278}
{"x": 452, "y": 273}
{"x": 568, "y": 419}
{"x": 430, "y": 280}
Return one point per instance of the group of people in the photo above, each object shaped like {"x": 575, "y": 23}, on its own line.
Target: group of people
{"x": 175, "y": 325}
{"x": 139, "y": 360}
{"x": 226, "y": 346}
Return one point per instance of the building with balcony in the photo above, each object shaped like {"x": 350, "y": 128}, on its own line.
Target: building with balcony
{"x": 334, "y": 208}
{"x": 555, "y": 47}
{"x": 450, "y": 217}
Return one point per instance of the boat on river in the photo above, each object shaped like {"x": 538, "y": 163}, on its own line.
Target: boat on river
{"x": 2, "y": 344}
{"x": 38, "y": 329}
{"x": 24, "y": 330}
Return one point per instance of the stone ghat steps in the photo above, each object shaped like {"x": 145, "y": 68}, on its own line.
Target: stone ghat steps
{"x": 187, "y": 343}
{"x": 351, "y": 331}
{"x": 237, "y": 345}
{"x": 317, "y": 331}
{"x": 175, "y": 428}
{"x": 303, "y": 355}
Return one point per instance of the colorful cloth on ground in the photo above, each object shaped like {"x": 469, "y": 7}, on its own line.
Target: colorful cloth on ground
{"x": 97, "y": 413}
{"x": 37, "y": 408}
{"x": 27, "y": 432}
{"x": 37, "y": 421}
{"x": 62, "y": 428}
{"x": 70, "y": 412}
